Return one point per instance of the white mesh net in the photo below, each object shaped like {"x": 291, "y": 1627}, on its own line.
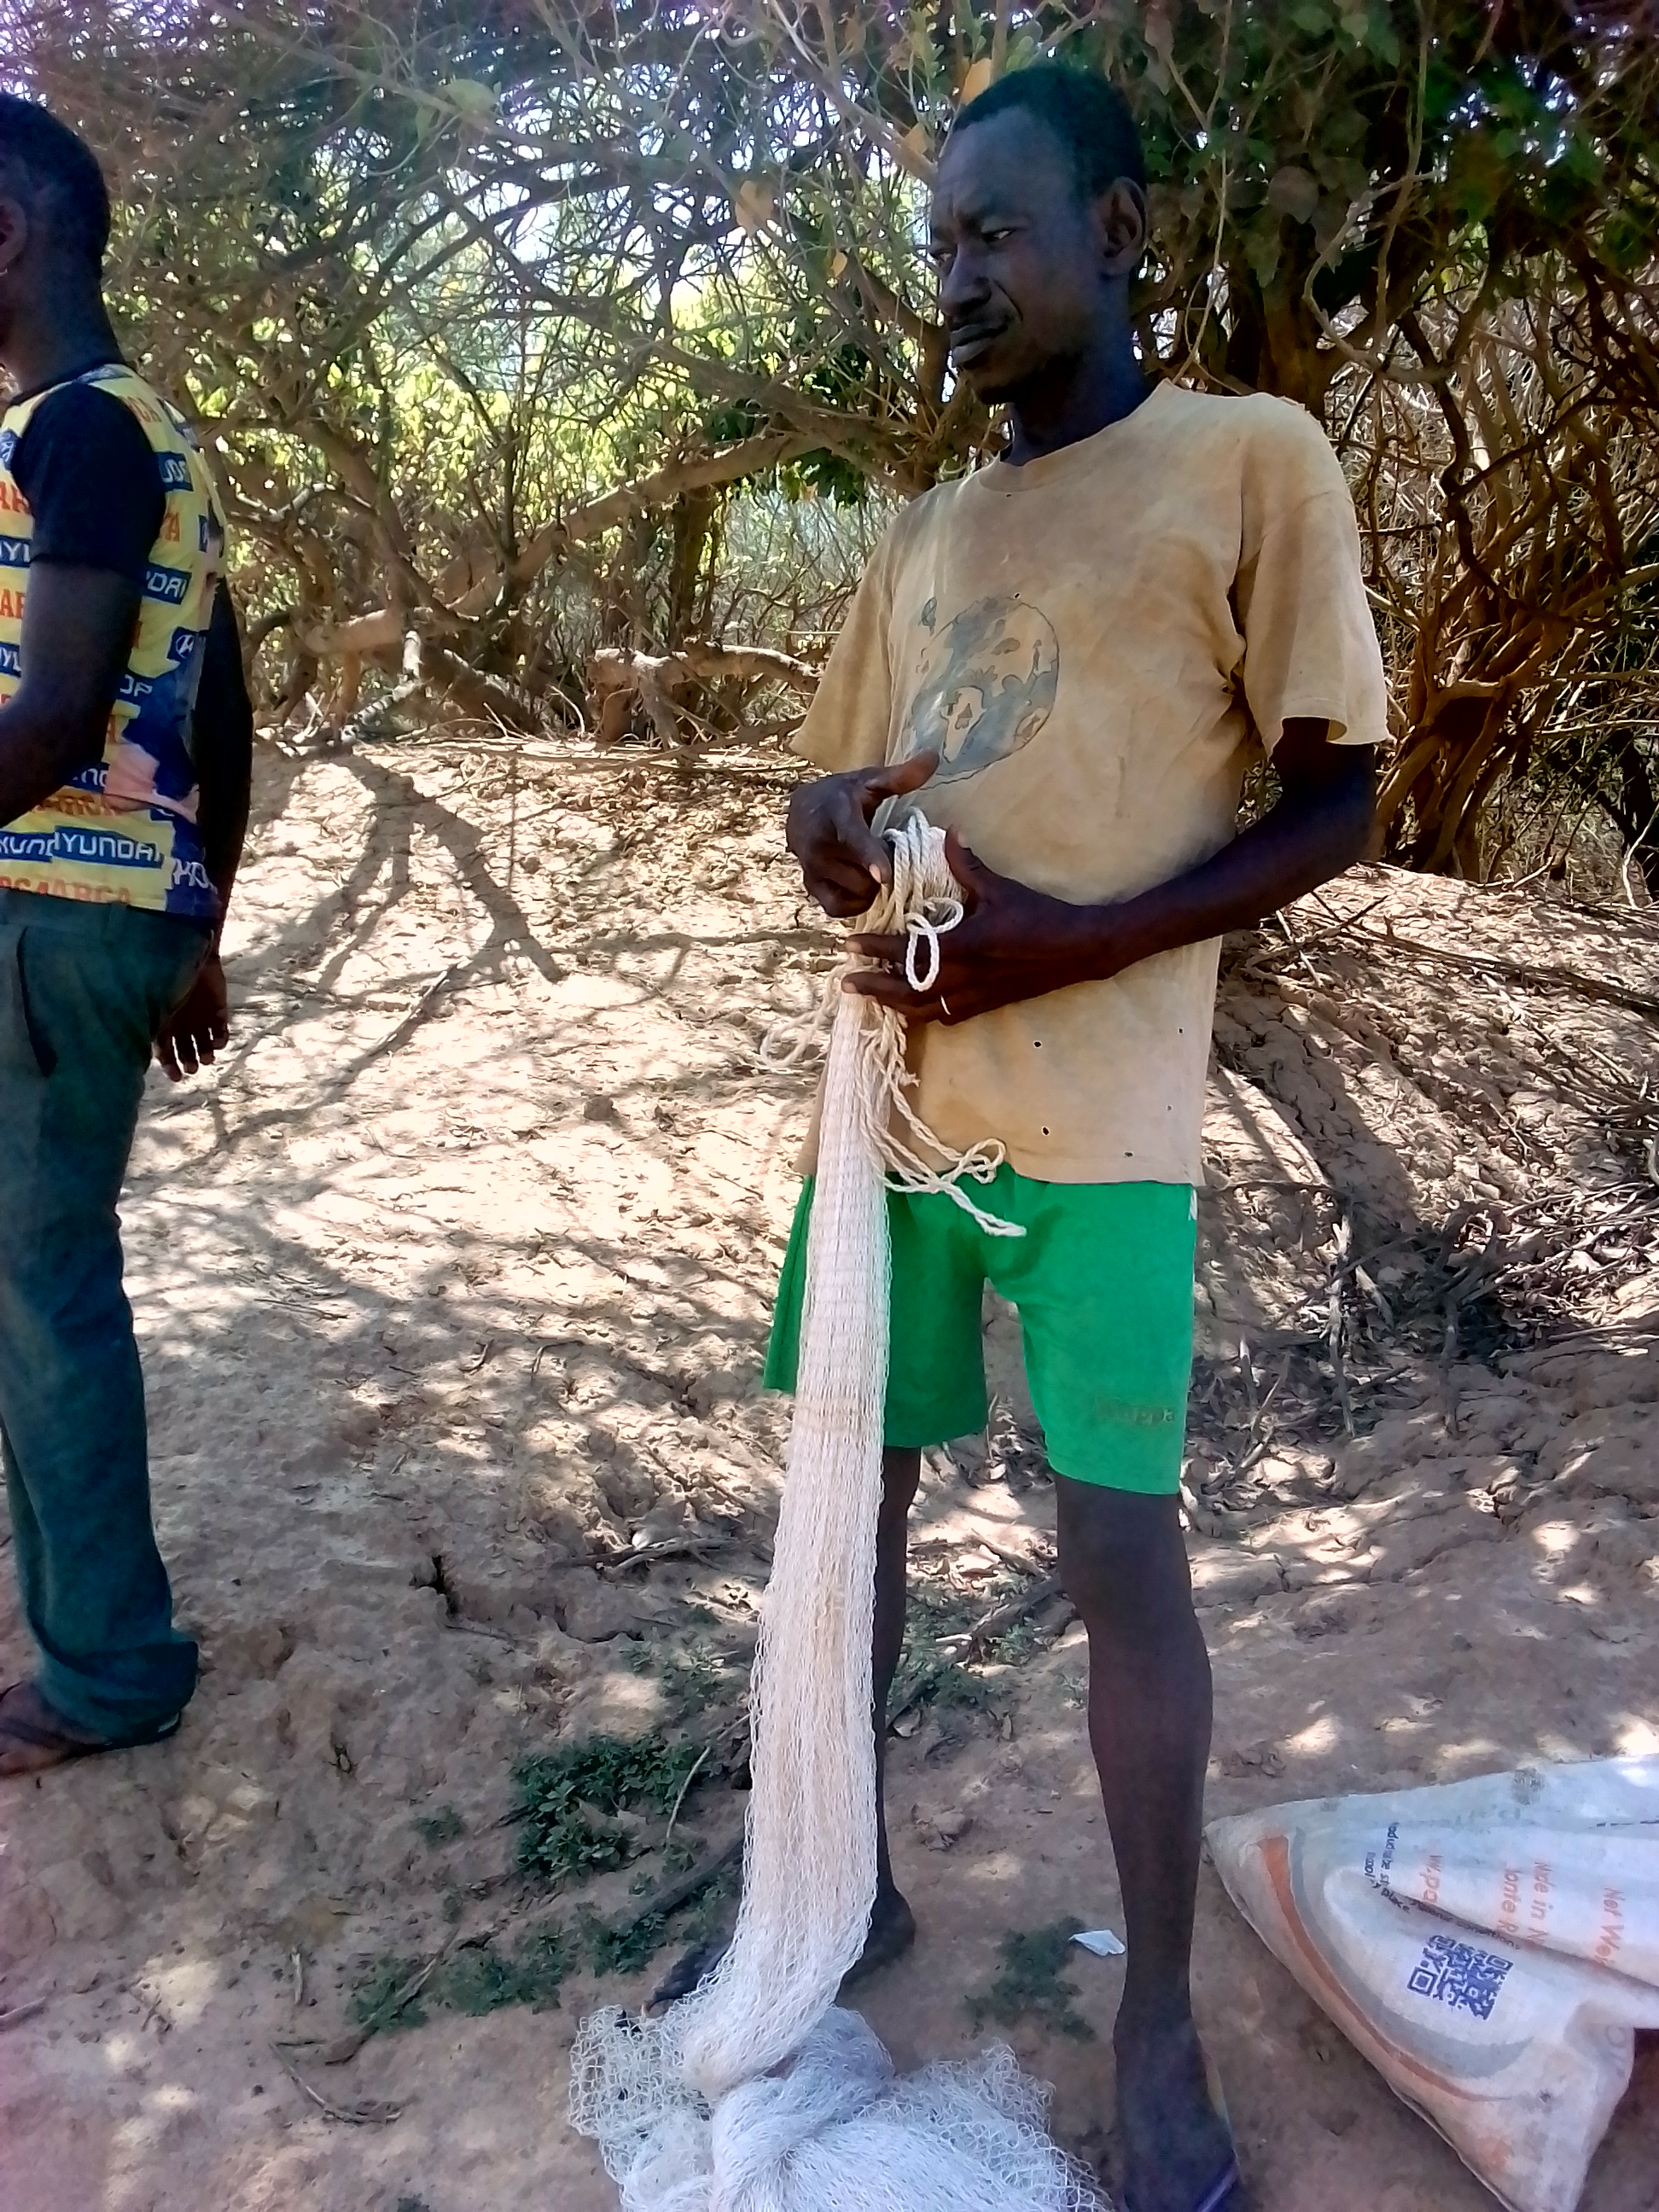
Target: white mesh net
{"x": 756, "y": 2094}
{"x": 832, "y": 2131}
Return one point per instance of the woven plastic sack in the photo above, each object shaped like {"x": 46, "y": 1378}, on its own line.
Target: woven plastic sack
{"x": 1490, "y": 1946}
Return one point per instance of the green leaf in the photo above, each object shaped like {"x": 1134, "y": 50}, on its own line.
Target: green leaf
{"x": 1353, "y": 20}
{"x": 1263, "y": 250}
{"x": 1381, "y": 37}
{"x": 1582, "y": 161}
{"x": 1626, "y": 242}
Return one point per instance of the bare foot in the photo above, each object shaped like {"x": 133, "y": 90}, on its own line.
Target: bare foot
{"x": 688, "y": 1970}
{"x": 892, "y": 1931}
{"x": 1177, "y": 2148}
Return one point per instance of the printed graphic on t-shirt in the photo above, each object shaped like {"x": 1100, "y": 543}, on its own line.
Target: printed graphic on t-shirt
{"x": 123, "y": 828}
{"x": 985, "y": 685}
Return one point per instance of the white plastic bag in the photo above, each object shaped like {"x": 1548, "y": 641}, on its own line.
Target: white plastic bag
{"x": 1490, "y": 1946}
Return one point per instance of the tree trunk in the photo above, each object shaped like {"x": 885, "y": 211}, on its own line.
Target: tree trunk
{"x": 691, "y": 521}
{"x": 1639, "y": 810}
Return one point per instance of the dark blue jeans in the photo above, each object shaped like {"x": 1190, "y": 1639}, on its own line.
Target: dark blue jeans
{"x": 83, "y": 990}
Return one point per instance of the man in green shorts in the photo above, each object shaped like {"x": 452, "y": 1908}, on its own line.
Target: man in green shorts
{"x": 1067, "y": 656}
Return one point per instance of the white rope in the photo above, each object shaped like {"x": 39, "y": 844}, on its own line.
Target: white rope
{"x": 920, "y": 905}
{"x": 754, "y": 2093}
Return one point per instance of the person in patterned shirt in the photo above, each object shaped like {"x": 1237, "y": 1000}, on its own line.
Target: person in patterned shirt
{"x": 125, "y": 751}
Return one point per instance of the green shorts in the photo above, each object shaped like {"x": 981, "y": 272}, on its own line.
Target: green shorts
{"x": 1103, "y": 1281}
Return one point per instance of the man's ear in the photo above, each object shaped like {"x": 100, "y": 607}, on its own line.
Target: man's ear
{"x": 1120, "y": 222}
{"x": 14, "y": 232}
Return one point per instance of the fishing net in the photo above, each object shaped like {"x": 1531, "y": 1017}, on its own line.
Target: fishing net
{"x": 755, "y": 2093}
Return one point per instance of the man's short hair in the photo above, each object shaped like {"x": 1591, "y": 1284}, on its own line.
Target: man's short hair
{"x": 1090, "y": 117}
{"x": 45, "y": 164}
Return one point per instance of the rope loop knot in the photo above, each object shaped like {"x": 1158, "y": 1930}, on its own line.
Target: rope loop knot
{"x": 922, "y": 904}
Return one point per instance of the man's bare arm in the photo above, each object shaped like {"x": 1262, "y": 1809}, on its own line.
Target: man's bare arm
{"x": 199, "y": 1027}
{"x": 77, "y": 632}
{"x": 224, "y": 748}
{"x": 1016, "y": 943}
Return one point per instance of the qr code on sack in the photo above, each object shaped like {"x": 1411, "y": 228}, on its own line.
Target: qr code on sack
{"x": 1457, "y": 1975}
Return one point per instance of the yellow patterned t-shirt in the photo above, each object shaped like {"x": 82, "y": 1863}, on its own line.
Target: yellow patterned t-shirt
{"x": 124, "y": 828}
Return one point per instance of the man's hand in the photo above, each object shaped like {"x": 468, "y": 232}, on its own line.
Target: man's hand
{"x": 1012, "y": 944}
{"x": 198, "y": 1026}
{"x": 842, "y": 859}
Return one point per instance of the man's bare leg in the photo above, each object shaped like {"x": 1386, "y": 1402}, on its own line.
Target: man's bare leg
{"x": 1124, "y": 1566}
{"x": 892, "y": 1924}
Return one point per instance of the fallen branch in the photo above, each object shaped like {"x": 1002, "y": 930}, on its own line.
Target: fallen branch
{"x": 681, "y": 1892}
{"x": 749, "y": 664}
{"x": 616, "y": 1561}
{"x": 675, "y": 1547}
{"x": 658, "y": 681}
{"x": 340, "y": 2049}
{"x": 1001, "y": 1617}
{"x": 918, "y": 1690}
{"x": 610, "y": 760}
{"x": 1517, "y": 971}
{"x": 357, "y": 2115}
{"x": 486, "y": 697}
{"x": 701, "y": 1759}
{"x": 1267, "y": 956}
{"x": 1021, "y": 1562}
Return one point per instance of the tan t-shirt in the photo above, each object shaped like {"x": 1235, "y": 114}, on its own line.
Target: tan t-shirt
{"x": 1092, "y": 642}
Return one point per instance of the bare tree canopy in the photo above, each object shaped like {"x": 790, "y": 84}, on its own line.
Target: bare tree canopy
{"x": 569, "y": 355}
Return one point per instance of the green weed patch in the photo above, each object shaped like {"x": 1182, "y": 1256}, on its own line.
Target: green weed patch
{"x": 569, "y": 1801}
{"x": 1031, "y": 1984}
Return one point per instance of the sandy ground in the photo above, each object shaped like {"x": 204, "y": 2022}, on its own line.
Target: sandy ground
{"x": 456, "y": 1274}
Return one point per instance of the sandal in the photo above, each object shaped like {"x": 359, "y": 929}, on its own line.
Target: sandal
{"x": 34, "y": 1736}
{"x": 1226, "y": 2192}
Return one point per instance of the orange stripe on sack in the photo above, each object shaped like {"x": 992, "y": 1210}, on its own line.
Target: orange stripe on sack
{"x": 1276, "y": 1857}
